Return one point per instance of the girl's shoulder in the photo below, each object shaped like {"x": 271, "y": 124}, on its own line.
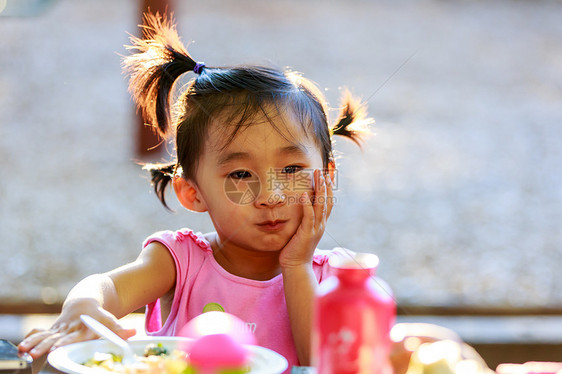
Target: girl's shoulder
{"x": 181, "y": 237}
{"x": 321, "y": 256}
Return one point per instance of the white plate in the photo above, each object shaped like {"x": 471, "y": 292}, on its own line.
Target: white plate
{"x": 69, "y": 358}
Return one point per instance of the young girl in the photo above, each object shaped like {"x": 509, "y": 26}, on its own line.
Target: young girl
{"x": 254, "y": 150}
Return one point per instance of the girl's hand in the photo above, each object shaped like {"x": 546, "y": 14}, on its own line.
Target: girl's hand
{"x": 69, "y": 329}
{"x": 316, "y": 210}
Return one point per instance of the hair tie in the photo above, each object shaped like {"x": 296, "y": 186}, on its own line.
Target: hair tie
{"x": 198, "y": 67}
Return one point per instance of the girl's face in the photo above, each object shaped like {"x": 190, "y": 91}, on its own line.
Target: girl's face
{"x": 251, "y": 187}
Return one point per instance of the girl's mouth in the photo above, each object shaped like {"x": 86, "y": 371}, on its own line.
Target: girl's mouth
{"x": 271, "y": 226}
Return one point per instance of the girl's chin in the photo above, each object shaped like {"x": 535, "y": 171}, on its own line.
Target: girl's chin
{"x": 270, "y": 244}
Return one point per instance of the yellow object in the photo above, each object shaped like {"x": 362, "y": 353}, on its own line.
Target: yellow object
{"x": 442, "y": 357}
{"x": 213, "y": 307}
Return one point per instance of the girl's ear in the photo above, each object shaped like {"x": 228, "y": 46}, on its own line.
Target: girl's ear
{"x": 331, "y": 170}
{"x": 188, "y": 195}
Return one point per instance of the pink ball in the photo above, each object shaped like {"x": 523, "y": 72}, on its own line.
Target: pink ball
{"x": 218, "y": 351}
{"x": 214, "y": 322}
{"x": 219, "y": 341}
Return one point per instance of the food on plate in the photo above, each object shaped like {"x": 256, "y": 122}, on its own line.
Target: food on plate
{"x": 155, "y": 349}
{"x": 157, "y": 359}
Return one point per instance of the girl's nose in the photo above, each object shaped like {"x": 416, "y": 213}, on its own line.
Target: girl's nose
{"x": 270, "y": 198}
{"x": 272, "y": 194}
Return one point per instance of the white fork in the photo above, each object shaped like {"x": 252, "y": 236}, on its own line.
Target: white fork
{"x": 104, "y": 332}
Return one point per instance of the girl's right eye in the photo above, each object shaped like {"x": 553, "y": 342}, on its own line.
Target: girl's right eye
{"x": 240, "y": 174}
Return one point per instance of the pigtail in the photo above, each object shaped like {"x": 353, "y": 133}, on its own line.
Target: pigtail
{"x": 352, "y": 122}
{"x": 160, "y": 59}
{"x": 161, "y": 175}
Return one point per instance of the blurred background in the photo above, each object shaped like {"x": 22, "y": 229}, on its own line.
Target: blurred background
{"x": 458, "y": 192}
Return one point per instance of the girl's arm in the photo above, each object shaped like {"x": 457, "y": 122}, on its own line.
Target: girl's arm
{"x": 107, "y": 297}
{"x": 141, "y": 282}
{"x": 296, "y": 264}
{"x": 300, "y": 287}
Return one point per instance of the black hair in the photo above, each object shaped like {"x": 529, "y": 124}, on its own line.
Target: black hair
{"x": 236, "y": 93}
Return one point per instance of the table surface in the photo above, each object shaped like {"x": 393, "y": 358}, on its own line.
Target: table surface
{"x": 303, "y": 370}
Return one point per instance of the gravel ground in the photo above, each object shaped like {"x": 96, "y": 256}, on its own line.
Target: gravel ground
{"x": 458, "y": 192}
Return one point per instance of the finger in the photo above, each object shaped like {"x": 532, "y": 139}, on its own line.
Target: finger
{"x": 74, "y": 337}
{"x": 307, "y": 222}
{"x": 127, "y": 333}
{"x": 34, "y": 338}
{"x": 323, "y": 199}
{"x": 112, "y": 323}
{"x": 33, "y": 332}
{"x": 316, "y": 190}
{"x": 329, "y": 194}
{"x": 320, "y": 207}
{"x": 27, "y": 338}
{"x": 45, "y": 345}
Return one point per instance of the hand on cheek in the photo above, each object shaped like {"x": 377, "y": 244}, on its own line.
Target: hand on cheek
{"x": 317, "y": 205}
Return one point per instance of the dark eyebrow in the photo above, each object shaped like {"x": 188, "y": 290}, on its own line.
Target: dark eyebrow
{"x": 226, "y": 158}
{"x": 294, "y": 149}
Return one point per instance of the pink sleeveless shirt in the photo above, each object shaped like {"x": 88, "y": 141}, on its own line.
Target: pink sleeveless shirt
{"x": 203, "y": 285}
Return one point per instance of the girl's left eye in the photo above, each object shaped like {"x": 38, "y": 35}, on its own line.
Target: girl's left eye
{"x": 240, "y": 174}
{"x": 291, "y": 169}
